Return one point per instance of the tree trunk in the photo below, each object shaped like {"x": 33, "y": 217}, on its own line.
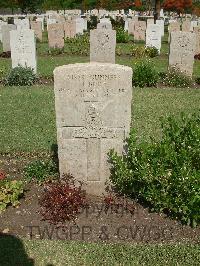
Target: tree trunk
{"x": 157, "y": 10}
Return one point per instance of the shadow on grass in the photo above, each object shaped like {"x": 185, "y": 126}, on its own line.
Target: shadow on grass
{"x": 12, "y": 252}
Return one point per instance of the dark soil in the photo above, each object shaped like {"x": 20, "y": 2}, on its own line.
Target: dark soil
{"x": 95, "y": 223}
{"x": 5, "y": 55}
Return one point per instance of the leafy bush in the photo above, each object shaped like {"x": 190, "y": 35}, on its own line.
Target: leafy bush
{"x": 92, "y": 22}
{"x": 62, "y": 201}
{"x": 10, "y": 193}
{"x": 165, "y": 174}
{"x": 122, "y": 36}
{"x": 145, "y": 74}
{"x": 151, "y": 52}
{"x": 141, "y": 51}
{"x": 175, "y": 78}
{"x": 79, "y": 45}
{"x": 138, "y": 52}
{"x": 21, "y": 76}
{"x": 56, "y": 51}
{"x": 3, "y": 72}
{"x": 41, "y": 171}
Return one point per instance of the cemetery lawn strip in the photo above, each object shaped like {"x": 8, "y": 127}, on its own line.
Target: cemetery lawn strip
{"x": 73, "y": 253}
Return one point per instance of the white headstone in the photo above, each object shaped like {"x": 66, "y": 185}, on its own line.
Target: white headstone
{"x": 153, "y": 36}
{"x": 160, "y": 23}
{"x": 182, "y": 51}
{"x": 102, "y": 45}
{"x": 23, "y": 48}
{"x": 93, "y": 115}
{"x": 6, "y": 36}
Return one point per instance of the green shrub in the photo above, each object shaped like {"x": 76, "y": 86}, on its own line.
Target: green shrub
{"x": 92, "y": 22}
{"x": 141, "y": 51}
{"x": 138, "y": 52}
{"x": 41, "y": 171}
{"x": 3, "y": 72}
{"x": 79, "y": 45}
{"x": 151, "y": 52}
{"x": 175, "y": 78}
{"x": 20, "y": 76}
{"x": 145, "y": 74}
{"x": 10, "y": 193}
{"x": 165, "y": 174}
{"x": 122, "y": 36}
{"x": 56, "y": 51}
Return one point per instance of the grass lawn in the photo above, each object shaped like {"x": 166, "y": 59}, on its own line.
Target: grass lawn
{"x": 17, "y": 252}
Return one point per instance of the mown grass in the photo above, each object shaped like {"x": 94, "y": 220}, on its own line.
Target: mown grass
{"x": 18, "y": 252}
{"x": 28, "y": 116}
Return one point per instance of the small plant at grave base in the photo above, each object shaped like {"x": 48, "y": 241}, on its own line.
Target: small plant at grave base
{"x": 10, "y": 193}
{"x": 138, "y": 52}
{"x": 20, "y": 76}
{"x": 41, "y": 171}
{"x": 79, "y": 45}
{"x": 121, "y": 35}
{"x": 2, "y": 175}
{"x": 145, "y": 74}
{"x": 164, "y": 174}
{"x": 3, "y": 73}
{"x": 62, "y": 201}
{"x": 56, "y": 51}
{"x": 175, "y": 78}
{"x": 151, "y": 52}
{"x": 118, "y": 51}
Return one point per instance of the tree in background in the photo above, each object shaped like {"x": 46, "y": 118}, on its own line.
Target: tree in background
{"x": 180, "y": 6}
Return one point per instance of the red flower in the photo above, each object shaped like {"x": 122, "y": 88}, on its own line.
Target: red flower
{"x": 2, "y": 175}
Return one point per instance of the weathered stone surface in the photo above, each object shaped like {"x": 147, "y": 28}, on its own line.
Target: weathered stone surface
{"x": 37, "y": 27}
{"x": 79, "y": 25}
{"x": 153, "y": 36}
{"x": 104, "y": 25}
{"x": 160, "y": 23}
{"x": 186, "y": 26}
{"x": 182, "y": 50}
{"x": 131, "y": 26}
{"x": 23, "y": 48}
{"x": 102, "y": 45}
{"x": 56, "y": 36}
{"x": 140, "y": 30}
{"x": 1, "y": 24}
{"x": 22, "y": 24}
{"x": 5, "y": 29}
{"x": 93, "y": 115}
{"x": 150, "y": 21}
{"x": 173, "y": 26}
{"x": 70, "y": 29}
{"x": 197, "y": 32}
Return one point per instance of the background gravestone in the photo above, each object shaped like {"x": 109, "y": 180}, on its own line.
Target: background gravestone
{"x": 23, "y": 48}
{"x": 37, "y": 27}
{"x": 5, "y": 29}
{"x": 182, "y": 51}
{"x": 102, "y": 45}
{"x": 197, "y": 32}
{"x": 56, "y": 36}
{"x": 153, "y": 36}
{"x": 140, "y": 30}
{"x": 93, "y": 115}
